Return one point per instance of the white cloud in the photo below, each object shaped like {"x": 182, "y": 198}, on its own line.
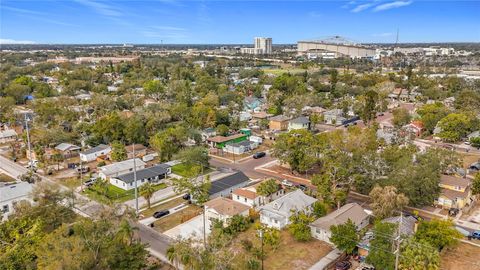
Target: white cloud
{"x": 13, "y": 41}
{"x": 361, "y": 7}
{"x": 101, "y": 8}
{"x": 391, "y": 5}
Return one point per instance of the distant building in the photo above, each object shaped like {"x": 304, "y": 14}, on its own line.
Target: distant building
{"x": 262, "y": 45}
{"x": 329, "y": 49}
{"x": 95, "y": 152}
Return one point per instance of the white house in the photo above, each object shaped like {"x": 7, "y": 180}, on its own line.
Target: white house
{"x": 277, "y": 213}
{"x": 119, "y": 168}
{"x": 320, "y": 228}
{"x": 301, "y": 122}
{"x": 8, "y": 135}
{"x": 92, "y": 153}
{"x": 239, "y": 148}
{"x": 67, "y": 149}
{"x": 248, "y": 195}
{"x": 154, "y": 174}
{"x": 224, "y": 209}
{"x": 10, "y": 194}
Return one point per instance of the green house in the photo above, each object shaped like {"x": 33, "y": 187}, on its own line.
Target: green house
{"x": 220, "y": 141}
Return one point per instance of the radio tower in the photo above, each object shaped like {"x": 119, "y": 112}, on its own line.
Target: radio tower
{"x": 396, "y": 40}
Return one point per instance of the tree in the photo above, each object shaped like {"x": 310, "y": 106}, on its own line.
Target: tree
{"x": 295, "y": 149}
{"x": 454, "y": 126}
{"x": 418, "y": 256}
{"x": 475, "y": 141}
{"x": 299, "y": 227}
{"x": 109, "y": 128}
{"x": 119, "y": 152}
{"x": 154, "y": 88}
{"x": 430, "y": 114}
{"x": 345, "y": 236}
{"x": 194, "y": 156}
{"x": 147, "y": 190}
{"x": 476, "y": 184}
{"x": 438, "y": 233}
{"x": 386, "y": 201}
{"x": 169, "y": 141}
{"x": 267, "y": 188}
{"x": 381, "y": 246}
{"x": 237, "y": 224}
{"x": 222, "y": 130}
{"x": 320, "y": 209}
{"x": 401, "y": 117}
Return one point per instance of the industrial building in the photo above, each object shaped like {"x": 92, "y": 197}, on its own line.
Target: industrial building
{"x": 334, "y": 47}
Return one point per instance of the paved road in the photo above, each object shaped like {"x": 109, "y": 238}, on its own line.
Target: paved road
{"x": 247, "y": 166}
{"x": 157, "y": 196}
{"x": 157, "y": 242}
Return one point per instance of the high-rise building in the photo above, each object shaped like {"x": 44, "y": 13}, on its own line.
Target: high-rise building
{"x": 264, "y": 44}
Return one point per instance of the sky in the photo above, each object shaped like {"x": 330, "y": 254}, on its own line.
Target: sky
{"x": 236, "y": 22}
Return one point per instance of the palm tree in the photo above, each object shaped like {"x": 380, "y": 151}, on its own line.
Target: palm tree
{"x": 147, "y": 191}
{"x": 126, "y": 232}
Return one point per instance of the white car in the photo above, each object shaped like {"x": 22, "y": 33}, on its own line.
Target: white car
{"x": 287, "y": 183}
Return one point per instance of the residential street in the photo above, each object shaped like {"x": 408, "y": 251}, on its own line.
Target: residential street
{"x": 247, "y": 166}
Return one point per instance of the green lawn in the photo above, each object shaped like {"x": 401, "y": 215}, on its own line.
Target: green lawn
{"x": 185, "y": 170}
{"x": 116, "y": 194}
{"x": 280, "y": 71}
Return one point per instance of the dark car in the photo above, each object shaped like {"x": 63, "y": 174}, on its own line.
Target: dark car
{"x": 343, "y": 265}
{"x": 186, "y": 197}
{"x": 160, "y": 214}
{"x": 302, "y": 187}
{"x": 259, "y": 155}
{"x": 453, "y": 212}
{"x": 474, "y": 235}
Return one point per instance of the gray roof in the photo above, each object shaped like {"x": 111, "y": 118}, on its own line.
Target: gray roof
{"x": 242, "y": 143}
{"x": 296, "y": 200}
{"x": 95, "y": 149}
{"x": 227, "y": 182}
{"x": 352, "y": 211}
{"x": 66, "y": 146}
{"x": 121, "y": 166}
{"x": 407, "y": 226}
{"x": 154, "y": 171}
{"x": 15, "y": 191}
{"x": 300, "y": 120}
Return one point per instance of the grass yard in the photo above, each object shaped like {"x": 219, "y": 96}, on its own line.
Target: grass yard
{"x": 280, "y": 71}
{"x": 115, "y": 194}
{"x": 70, "y": 182}
{"x": 163, "y": 206}
{"x": 177, "y": 218}
{"x": 469, "y": 159}
{"x": 290, "y": 254}
{"x": 185, "y": 170}
{"x": 6, "y": 178}
{"x": 462, "y": 257}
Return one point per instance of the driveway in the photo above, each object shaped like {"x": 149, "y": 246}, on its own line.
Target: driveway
{"x": 157, "y": 196}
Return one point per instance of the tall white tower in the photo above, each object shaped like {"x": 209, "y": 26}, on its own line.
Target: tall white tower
{"x": 263, "y": 45}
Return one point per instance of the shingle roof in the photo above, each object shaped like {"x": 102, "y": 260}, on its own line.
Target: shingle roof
{"x": 220, "y": 139}
{"x": 15, "y": 191}
{"x": 352, "y": 211}
{"x": 228, "y": 182}
{"x": 95, "y": 149}
{"x": 226, "y": 206}
{"x": 300, "y": 120}
{"x": 454, "y": 181}
{"x": 279, "y": 118}
{"x": 296, "y": 200}
{"x": 66, "y": 146}
{"x": 407, "y": 226}
{"x": 245, "y": 193}
{"x": 157, "y": 170}
{"x": 120, "y": 166}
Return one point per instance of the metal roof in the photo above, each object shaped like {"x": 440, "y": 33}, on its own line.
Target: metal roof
{"x": 150, "y": 172}
{"x": 227, "y": 182}
{"x": 95, "y": 149}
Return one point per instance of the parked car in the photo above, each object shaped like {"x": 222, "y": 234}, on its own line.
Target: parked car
{"x": 90, "y": 182}
{"x": 186, "y": 197}
{"x": 474, "y": 235}
{"x": 453, "y": 212}
{"x": 160, "y": 214}
{"x": 259, "y": 155}
{"x": 343, "y": 265}
{"x": 302, "y": 187}
{"x": 287, "y": 183}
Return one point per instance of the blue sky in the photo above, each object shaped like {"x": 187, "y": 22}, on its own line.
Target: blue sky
{"x": 214, "y": 22}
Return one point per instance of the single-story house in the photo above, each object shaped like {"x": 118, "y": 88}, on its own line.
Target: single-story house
{"x": 277, "y": 213}
{"x": 334, "y": 117}
{"x": 456, "y": 192}
{"x": 224, "y": 209}
{"x": 140, "y": 150}
{"x": 68, "y": 150}
{"x": 248, "y": 195}
{"x": 279, "y": 122}
{"x": 221, "y": 141}
{"x": 119, "y": 168}
{"x": 415, "y": 128}
{"x": 301, "y": 122}
{"x": 152, "y": 174}
{"x": 11, "y": 194}
{"x": 225, "y": 185}
{"x": 8, "y": 135}
{"x": 95, "y": 152}
{"x": 408, "y": 227}
{"x": 240, "y": 147}
{"x": 256, "y": 139}
{"x": 320, "y": 228}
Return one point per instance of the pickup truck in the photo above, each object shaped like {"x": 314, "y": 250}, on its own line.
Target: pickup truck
{"x": 474, "y": 235}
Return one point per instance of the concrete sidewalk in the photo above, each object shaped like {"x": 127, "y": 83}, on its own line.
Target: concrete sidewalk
{"x": 327, "y": 260}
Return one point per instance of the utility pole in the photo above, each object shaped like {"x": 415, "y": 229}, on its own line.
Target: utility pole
{"x": 29, "y": 147}
{"x": 135, "y": 180}
{"x": 260, "y": 232}
{"x": 398, "y": 241}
